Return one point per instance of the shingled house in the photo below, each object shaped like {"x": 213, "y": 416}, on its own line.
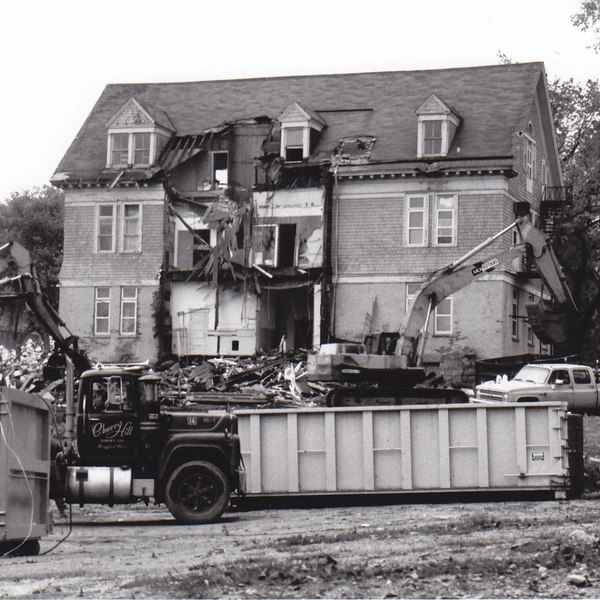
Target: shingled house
{"x": 222, "y": 217}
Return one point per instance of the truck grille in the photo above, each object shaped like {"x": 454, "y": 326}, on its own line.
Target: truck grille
{"x": 490, "y": 395}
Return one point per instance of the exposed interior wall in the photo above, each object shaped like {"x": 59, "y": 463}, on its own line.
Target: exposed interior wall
{"x": 202, "y": 327}
{"x": 288, "y": 313}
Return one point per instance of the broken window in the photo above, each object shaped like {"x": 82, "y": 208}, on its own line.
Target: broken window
{"x": 129, "y": 297}
{"x": 277, "y": 246}
{"x": 220, "y": 169}
{"x": 200, "y": 245}
{"x": 102, "y": 311}
{"x": 286, "y": 251}
{"x": 529, "y": 163}
{"x": 416, "y": 219}
{"x": 443, "y": 317}
{"x": 132, "y": 228}
{"x": 105, "y": 228}
{"x": 294, "y": 143}
{"x": 130, "y": 149}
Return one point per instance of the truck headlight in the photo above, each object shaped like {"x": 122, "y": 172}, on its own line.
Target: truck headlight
{"x": 505, "y": 397}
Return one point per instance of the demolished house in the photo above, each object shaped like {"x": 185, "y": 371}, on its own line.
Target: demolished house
{"x": 223, "y": 218}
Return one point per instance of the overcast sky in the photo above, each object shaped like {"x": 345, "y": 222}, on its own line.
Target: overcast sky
{"x": 57, "y": 55}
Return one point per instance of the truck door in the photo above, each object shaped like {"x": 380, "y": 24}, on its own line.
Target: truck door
{"x": 562, "y": 386}
{"x": 585, "y": 394}
{"x": 109, "y": 432}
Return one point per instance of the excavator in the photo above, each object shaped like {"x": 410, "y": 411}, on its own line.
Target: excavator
{"x": 400, "y": 377}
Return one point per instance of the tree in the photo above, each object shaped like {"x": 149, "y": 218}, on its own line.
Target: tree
{"x": 588, "y": 19}
{"x": 35, "y": 219}
{"x": 576, "y": 110}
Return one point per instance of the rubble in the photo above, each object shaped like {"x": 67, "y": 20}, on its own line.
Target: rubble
{"x": 265, "y": 380}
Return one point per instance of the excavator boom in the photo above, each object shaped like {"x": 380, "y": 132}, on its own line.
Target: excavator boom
{"x": 19, "y": 284}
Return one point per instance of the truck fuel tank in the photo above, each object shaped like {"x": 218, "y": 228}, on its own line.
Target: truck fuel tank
{"x": 104, "y": 485}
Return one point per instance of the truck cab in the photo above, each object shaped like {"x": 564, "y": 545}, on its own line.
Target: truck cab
{"x": 129, "y": 448}
{"x": 571, "y": 383}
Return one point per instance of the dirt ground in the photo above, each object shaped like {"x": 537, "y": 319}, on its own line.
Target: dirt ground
{"x": 501, "y": 549}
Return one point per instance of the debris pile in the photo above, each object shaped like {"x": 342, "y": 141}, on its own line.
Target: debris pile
{"x": 265, "y": 380}
{"x": 23, "y": 370}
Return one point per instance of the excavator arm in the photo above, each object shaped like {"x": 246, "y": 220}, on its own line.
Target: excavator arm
{"x": 548, "y": 323}
{"x": 19, "y": 284}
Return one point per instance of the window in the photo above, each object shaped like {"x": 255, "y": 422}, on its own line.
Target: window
{"x": 141, "y": 148}
{"x": 529, "y": 163}
{"x": 105, "y": 228}
{"x": 411, "y": 292}
{"x": 277, "y": 245}
{"x": 445, "y": 220}
{"x": 560, "y": 375}
{"x": 443, "y": 317}
{"x": 514, "y": 317}
{"x": 132, "y": 230}
{"x": 120, "y": 149}
{"x": 131, "y": 148}
{"x": 200, "y": 245}
{"x": 581, "y": 376}
{"x": 102, "y": 311}
{"x": 220, "y": 172}
{"x": 530, "y": 336}
{"x": 432, "y": 138}
{"x": 416, "y": 221}
{"x": 544, "y": 174}
{"x": 294, "y": 143}
{"x": 129, "y": 310}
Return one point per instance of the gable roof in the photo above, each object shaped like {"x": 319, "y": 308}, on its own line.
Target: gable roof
{"x": 490, "y": 99}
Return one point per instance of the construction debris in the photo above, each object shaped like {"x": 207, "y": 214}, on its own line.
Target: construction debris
{"x": 271, "y": 380}
{"x": 267, "y": 380}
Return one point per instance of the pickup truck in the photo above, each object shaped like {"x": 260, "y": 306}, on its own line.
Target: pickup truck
{"x": 574, "y": 384}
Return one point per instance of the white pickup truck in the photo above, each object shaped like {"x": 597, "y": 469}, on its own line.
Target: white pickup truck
{"x": 574, "y": 384}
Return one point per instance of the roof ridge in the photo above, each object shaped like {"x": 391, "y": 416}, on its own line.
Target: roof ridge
{"x": 335, "y": 75}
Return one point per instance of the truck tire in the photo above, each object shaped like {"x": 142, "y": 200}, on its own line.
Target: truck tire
{"x": 197, "y": 492}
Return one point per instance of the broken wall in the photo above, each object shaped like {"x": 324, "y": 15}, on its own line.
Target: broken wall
{"x": 207, "y": 323}
{"x": 288, "y": 228}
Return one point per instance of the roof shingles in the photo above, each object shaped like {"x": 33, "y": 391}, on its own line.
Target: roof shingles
{"x": 490, "y": 100}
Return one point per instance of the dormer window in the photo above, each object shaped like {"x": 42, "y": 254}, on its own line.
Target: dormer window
{"x": 299, "y": 130}
{"x": 136, "y": 135}
{"x": 437, "y": 124}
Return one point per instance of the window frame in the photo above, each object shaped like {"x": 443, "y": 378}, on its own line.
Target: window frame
{"x": 131, "y": 132}
{"x": 97, "y": 227}
{"x": 215, "y": 184}
{"x": 122, "y": 318}
{"x": 407, "y": 227}
{"x": 514, "y": 316}
{"x": 433, "y": 138}
{"x": 449, "y": 315}
{"x": 529, "y": 161}
{"x": 530, "y": 334}
{"x": 436, "y": 221}
{"x": 275, "y": 245}
{"x": 408, "y": 298}
{"x": 102, "y": 300}
{"x": 138, "y": 235}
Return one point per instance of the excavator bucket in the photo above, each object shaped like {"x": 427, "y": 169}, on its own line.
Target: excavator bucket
{"x": 551, "y": 326}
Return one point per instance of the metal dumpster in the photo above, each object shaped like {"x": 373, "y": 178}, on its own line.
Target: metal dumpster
{"x": 406, "y": 449}
{"x": 24, "y": 471}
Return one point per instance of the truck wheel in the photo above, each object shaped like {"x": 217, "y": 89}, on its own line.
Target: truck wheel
{"x": 197, "y": 492}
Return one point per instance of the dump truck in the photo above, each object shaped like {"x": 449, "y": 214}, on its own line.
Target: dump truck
{"x": 401, "y": 370}
{"x": 121, "y": 445}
